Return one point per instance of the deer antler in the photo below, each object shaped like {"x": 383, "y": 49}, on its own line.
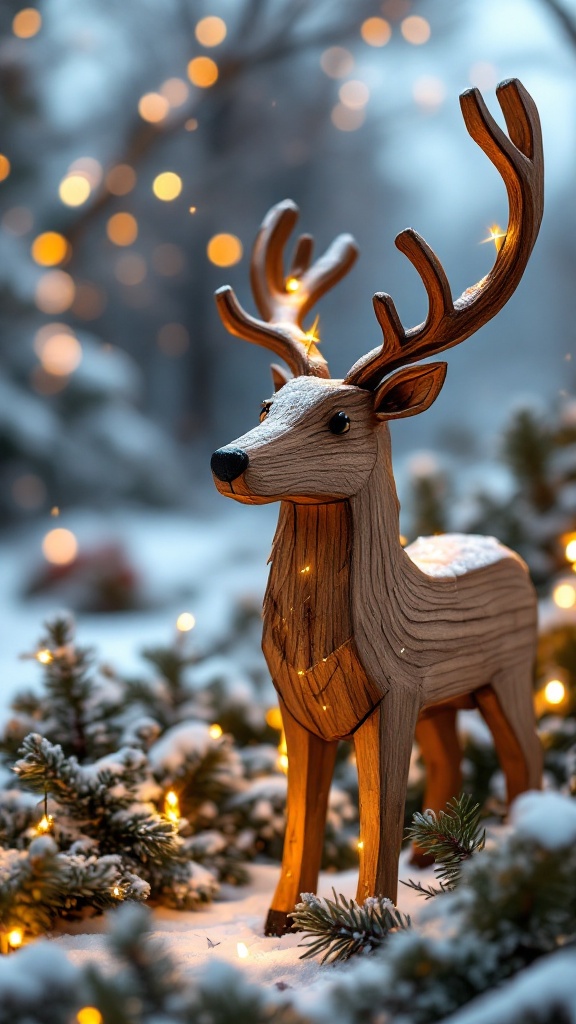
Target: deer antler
{"x": 284, "y": 301}
{"x": 519, "y": 161}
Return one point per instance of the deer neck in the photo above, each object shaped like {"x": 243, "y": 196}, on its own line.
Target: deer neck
{"x": 323, "y": 556}
{"x": 307, "y": 603}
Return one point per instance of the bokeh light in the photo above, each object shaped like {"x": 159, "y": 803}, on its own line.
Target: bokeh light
{"x": 336, "y": 62}
{"x": 570, "y": 550}
{"x": 215, "y": 731}
{"x": 89, "y": 301}
{"x": 354, "y": 94}
{"x": 210, "y": 31}
{"x": 90, "y": 1014}
{"x": 122, "y": 229}
{"x": 74, "y": 189}
{"x": 173, "y": 340}
{"x": 203, "y": 72}
{"x": 176, "y": 91}
{"x": 153, "y": 107}
{"x": 346, "y": 119}
{"x": 224, "y": 250}
{"x": 167, "y": 186}
{"x": 130, "y": 269}
{"x": 376, "y": 31}
{"x": 49, "y": 249}
{"x": 87, "y": 167}
{"x": 274, "y": 718}
{"x": 54, "y": 292}
{"x": 564, "y": 595}
{"x": 121, "y": 179}
{"x": 27, "y": 23}
{"x": 185, "y": 622}
{"x": 415, "y": 29}
{"x": 4, "y": 167}
{"x": 60, "y": 546}
{"x": 429, "y": 92}
{"x": 554, "y": 691}
{"x": 59, "y": 352}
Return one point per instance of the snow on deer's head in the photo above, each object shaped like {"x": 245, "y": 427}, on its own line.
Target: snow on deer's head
{"x": 317, "y": 439}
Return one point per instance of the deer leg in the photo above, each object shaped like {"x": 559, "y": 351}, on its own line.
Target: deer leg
{"x": 383, "y": 745}
{"x": 508, "y": 709}
{"x": 310, "y": 769}
{"x": 438, "y": 740}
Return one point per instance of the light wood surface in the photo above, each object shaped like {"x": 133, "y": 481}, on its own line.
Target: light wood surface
{"x": 360, "y": 640}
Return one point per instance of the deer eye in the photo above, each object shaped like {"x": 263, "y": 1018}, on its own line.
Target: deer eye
{"x": 264, "y": 410}
{"x": 339, "y": 424}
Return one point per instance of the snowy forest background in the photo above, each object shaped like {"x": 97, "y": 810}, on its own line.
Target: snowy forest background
{"x": 140, "y": 149}
{"x": 124, "y": 415}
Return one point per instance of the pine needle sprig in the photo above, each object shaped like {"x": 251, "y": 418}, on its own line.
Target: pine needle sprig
{"x": 341, "y": 928}
{"x": 451, "y": 837}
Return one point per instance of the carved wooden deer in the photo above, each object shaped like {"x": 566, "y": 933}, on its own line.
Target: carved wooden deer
{"x": 366, "y": 640}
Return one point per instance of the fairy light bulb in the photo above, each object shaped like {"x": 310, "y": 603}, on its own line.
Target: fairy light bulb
{"x": 44, "y": 656}
{"x": 45, "y": 824}
{"x": 185, "y": 622}
{"x": 172, "y": 807}
{"x": 554, "y": 692}
{"x": 215, "y": 731}
{"x": 15, "y": 938}
{"x": 292, "y": 284}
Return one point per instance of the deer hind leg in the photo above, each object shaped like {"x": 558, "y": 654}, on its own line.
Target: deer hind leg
{"x": 438, "y": 741}
{"x": 310, "y": 769}
{"x": 383, "y": 746}
{"x": 507, "y": 706}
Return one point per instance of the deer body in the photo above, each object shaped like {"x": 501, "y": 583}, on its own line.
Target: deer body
{"x": 365, "y": 640}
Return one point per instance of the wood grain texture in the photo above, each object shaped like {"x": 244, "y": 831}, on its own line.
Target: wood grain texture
{"x": 360, "y": 639}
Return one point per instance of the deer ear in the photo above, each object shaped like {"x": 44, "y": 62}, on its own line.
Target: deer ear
{"x": 409, "y": 391}
{"x": 279, "y": 376}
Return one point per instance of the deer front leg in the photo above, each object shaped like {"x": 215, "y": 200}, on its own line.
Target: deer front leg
{"x": 310, "y": 768}
{"x": 383, "y": 745}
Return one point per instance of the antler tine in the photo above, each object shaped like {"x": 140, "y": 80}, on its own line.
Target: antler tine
{"x": 302, "y": 257}
{"x": 330, "y": 268}
{"x": 283, "y": 308}
{"x": 267, "y": 264}
{"x": 519, "y": 161}
{"x": 270, "y": 336}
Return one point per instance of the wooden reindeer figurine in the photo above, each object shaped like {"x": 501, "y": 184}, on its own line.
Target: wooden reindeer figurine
{"x": 366, "y": 640}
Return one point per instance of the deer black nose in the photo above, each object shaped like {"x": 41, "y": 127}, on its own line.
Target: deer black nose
{"x": 228, "y": 463}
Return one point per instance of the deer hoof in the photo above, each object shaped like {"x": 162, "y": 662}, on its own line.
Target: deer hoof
{"x": 278, "y": 922}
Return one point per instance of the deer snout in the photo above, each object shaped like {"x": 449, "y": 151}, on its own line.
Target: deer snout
{"x": 228, "y": 463}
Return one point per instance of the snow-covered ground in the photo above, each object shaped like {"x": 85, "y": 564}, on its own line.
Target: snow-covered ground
{"x": 195, "y": 939}
{"x": 204, "y": 567}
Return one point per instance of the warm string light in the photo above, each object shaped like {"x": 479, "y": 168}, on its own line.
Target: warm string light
{"x": 215, "y": 731}
{"x": 89, "y": 1015}
{"x": 44, "y": 656}
{"x": 15, "y": 938}
{"x": 185, "y": 622}
{"x": 292, "y": 284}
{"x": 46, "y": 824}
{"x": 554, "y": 692}
{"x": 564, "y": 595}
{"x": 172, "y": 807}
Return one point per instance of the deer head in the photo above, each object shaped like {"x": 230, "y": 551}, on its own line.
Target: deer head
{"x": 316, "y": 440}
